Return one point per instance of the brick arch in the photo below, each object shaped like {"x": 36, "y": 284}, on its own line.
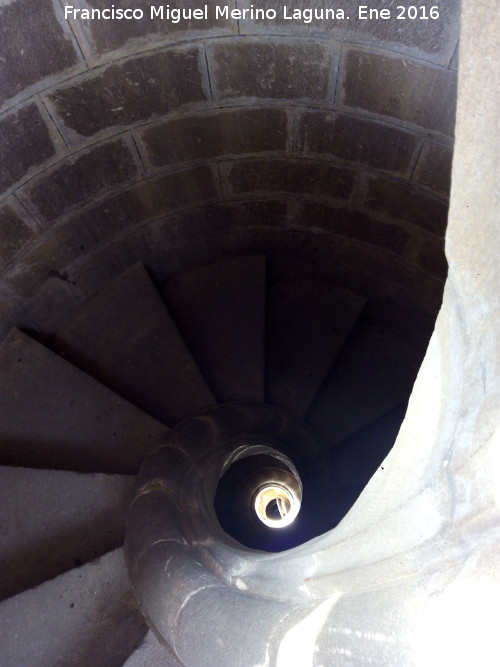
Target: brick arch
{"x": 437, "y": 499}
{"x": 351, "y": 130}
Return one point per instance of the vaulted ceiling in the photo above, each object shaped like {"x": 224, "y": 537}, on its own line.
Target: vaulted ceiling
{"x": 324, "y": 145}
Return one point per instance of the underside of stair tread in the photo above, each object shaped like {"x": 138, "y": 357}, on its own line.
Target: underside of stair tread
{"x": 220, "y": 310}
{"x": 373, "y": 373}
{"x": 308, "y": 322}
{"x": 125, "y": 338}
{"x": 355, "y": 460}
{"x": 56, "y": 416}
{"x": 52, "y": 520}
{"x": 152, "y": 654}
{"x": 358, "y": 456}
{"x": 87, "y": 616}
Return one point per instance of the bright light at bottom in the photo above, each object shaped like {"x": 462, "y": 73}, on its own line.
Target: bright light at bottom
{"x": 276, "y": 505}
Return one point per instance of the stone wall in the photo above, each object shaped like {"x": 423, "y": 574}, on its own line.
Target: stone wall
{"x": 179, "y": 144}
{"x": 410, "y": 576}
{"x": 178, "y": 148}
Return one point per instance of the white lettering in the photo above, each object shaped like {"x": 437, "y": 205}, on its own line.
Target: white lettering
{"x": 310, "y": 15}
{"x": 221, "y": 12}
{"x": 365, "y": 13}
{"x": 107, "y": 13}
{"x": 248, "y": 13}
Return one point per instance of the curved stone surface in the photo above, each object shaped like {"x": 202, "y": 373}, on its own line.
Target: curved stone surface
{"x": 116, "y": 151}
{"x": 93, "y": 617}
{"x": 174, "y": 544}
{"x": 376, "y": 226}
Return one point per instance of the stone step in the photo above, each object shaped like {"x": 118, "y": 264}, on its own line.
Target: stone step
{"x": 52, "y": 520}
{"x": 308, "y": 322}
{"x": 220, "y": 310}
{"x": 373, "y": 373}
{"x": 355, "y": 460}
{"x": 124, "y": 337}
{"x": 86, "y": 616}
{"x": 152, "y": 654}
{"x": 55, "y": 416}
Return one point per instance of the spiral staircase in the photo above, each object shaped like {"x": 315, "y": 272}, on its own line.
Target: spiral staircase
{"x": 222, "y": 260}
{"x": 82, "y": 410}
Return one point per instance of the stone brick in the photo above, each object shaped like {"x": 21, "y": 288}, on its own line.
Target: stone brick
{"x": 84, "y": 177}
{"x": 398, "y": 288}
{"x": 44, "y": 260}
{"x": 298, "y": 176}
{"x": 400, "y": 88}
{"x": 225, "y": 133}
{"x": 24, "y": 143}
{"x": 220, "y": 219}
{"x": 165, "y": 245}
{"x": 341, "y": 263}
{"x": 49, "y": 258}
{"x": 122, "y": 94}
{"x": 434, "y": 168}
{"x": 402, "y": 201}
{"x": 32, "y": 45}
{"x": 356, "y": 225}
{"x": 85, "y": 232}
{"x": 110, "y": 35}
{"x": 177, "y": 189}
{"x": 14, "y": 234}
{"x": 94, "y": 270}
{"x": 277, "y": 70}
{"x": 216, "y": 222}
{"x": 146, "y": 200}
{"x": 48, "y": 310}
{"x": 357, "y": 139}
{"x": 266, "y": 212}
{"x": 436, "y": 39}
